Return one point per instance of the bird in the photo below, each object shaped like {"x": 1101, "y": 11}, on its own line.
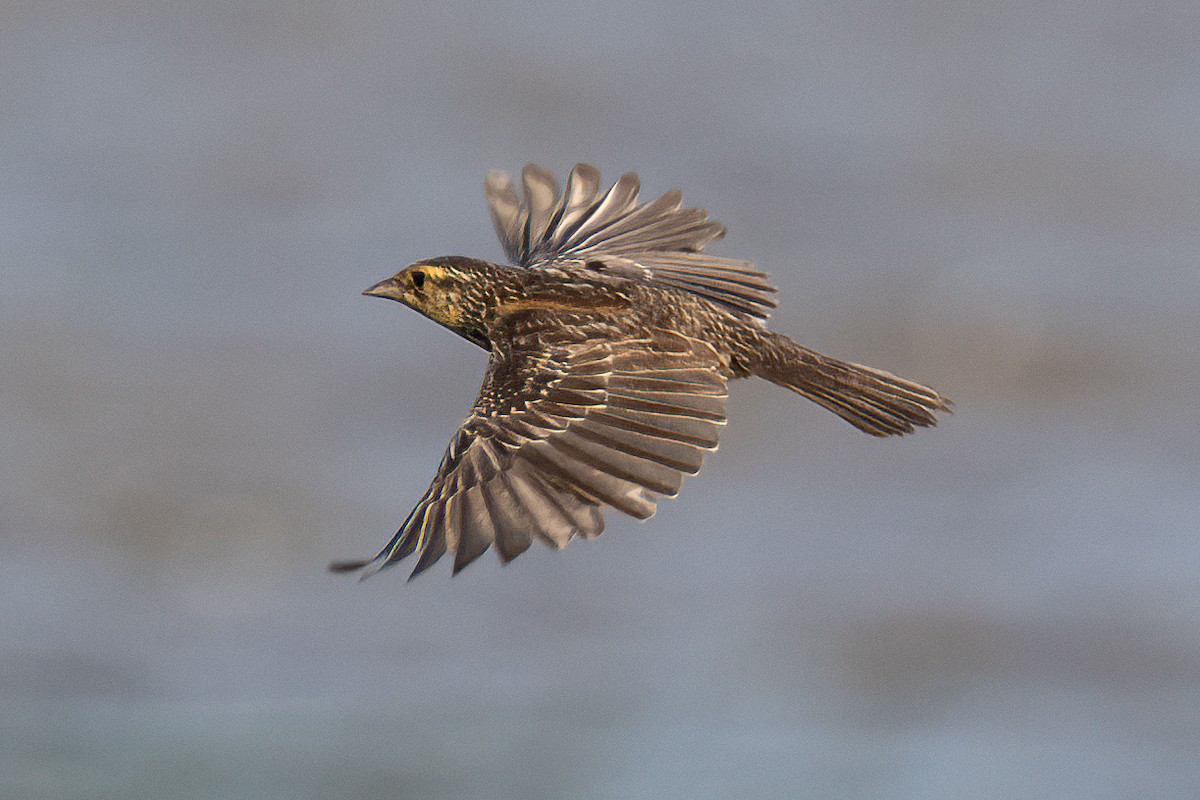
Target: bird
{"x": 612, "y": 338}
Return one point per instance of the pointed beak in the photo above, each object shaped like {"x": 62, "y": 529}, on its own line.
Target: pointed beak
{"x": 385, "y": 288}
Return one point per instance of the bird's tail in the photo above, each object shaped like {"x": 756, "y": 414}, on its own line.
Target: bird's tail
{"x": 871, "y": 400}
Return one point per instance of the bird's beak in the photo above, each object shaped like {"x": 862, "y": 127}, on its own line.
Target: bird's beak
{"x": 388, "y": 288}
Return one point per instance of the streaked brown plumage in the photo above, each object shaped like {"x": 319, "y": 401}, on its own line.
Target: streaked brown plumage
{"x": 611, "y": 346}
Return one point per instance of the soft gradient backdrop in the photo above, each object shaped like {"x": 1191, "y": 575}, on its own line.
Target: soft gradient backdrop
{"x": 198, "y": 411}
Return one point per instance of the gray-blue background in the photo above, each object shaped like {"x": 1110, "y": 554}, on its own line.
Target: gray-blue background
{"x": 198, "y": 410}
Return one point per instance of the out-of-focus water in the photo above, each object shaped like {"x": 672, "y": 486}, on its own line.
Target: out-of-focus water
{"x": 199, "y": 411}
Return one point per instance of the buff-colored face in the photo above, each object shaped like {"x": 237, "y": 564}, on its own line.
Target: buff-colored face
{"x": 433, "y": 290}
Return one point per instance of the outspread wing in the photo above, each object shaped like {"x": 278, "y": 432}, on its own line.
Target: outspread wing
{"x": 609, "y": 230}
{"x": 571, "y": 417}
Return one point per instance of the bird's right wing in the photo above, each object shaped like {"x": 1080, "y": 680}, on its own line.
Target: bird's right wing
{"x": 572, "y": 417}
{"x": 660, "y": 242}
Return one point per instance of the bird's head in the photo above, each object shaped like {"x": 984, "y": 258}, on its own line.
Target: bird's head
{"x": 445, "y": 289}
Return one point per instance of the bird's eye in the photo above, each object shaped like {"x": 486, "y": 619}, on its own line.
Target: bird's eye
{"x": 418, "y": 279}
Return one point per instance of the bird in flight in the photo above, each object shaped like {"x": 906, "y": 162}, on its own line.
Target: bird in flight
{"x": 612, "y": 338}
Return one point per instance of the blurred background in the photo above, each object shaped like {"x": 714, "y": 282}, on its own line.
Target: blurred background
{"x": 198, "y": 410}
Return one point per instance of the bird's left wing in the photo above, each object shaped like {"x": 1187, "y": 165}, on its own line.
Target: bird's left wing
{"x": 661, "y": 242}
{"x": 572, "y": 416}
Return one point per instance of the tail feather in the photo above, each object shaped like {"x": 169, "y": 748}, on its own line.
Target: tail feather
{"x": 874, "y": 401}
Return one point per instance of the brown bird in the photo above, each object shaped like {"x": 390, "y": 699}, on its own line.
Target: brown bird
{"x": 611, "y": 344}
